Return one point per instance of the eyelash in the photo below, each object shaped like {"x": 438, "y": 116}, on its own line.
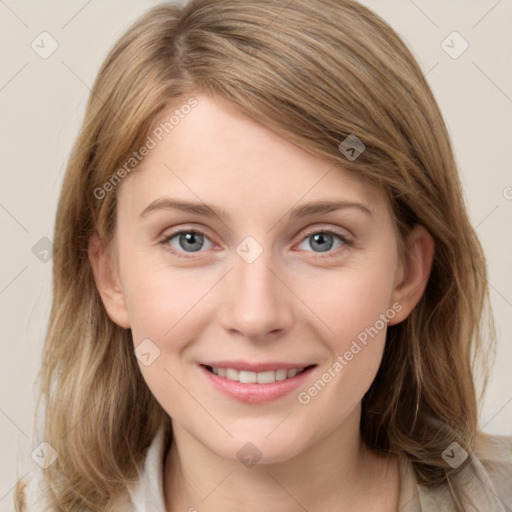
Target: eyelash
{"x": 330, "y": 254}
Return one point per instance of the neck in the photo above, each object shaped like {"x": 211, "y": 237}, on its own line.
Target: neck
{"x": 338, "y": 468}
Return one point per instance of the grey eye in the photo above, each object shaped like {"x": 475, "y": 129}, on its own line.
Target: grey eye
{"x": 188, "y": 241}
{"x": 322, "y": 241}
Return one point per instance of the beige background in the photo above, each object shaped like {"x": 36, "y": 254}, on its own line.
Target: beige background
{"x": 42, "y": 103}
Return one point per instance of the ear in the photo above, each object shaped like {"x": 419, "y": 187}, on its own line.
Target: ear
{"x": 413, "y": 273}
{"x": 107, "y": 282}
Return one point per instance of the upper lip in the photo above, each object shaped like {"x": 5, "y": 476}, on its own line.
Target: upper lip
{"x": 255, "y": 367}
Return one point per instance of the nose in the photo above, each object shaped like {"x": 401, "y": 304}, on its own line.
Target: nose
{"x": 258, "y": 302}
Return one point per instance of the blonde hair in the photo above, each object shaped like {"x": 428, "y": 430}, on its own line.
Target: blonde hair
{"x": 315, "y": 72}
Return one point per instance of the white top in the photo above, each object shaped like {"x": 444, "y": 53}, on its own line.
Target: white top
{"x": 488, "y": 481}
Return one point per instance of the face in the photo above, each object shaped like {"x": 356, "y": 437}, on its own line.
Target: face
{"x": 274, "y": 282}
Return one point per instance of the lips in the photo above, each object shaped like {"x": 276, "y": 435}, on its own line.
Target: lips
{"x": 255, "y": 383}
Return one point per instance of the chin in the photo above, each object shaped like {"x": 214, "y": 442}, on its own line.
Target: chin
{"x": 262, "y": 448}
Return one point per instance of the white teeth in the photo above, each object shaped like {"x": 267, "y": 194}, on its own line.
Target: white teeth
{"x": 281, "y": 374}
{"x": 246, "y": 377}
{"x": 231, "y": 374}
{"x": 266, "y": 377}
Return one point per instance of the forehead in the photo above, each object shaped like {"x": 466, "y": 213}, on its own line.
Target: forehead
{"x": 217, "y": 155}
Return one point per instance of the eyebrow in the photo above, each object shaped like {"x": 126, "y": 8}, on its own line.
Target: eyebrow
{"x": 313, "y": 208}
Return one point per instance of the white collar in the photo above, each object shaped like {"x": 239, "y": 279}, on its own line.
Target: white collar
{"x": 147, "y": 494}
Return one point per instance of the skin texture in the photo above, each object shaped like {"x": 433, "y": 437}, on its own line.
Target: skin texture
{"x": 292, "y": 303}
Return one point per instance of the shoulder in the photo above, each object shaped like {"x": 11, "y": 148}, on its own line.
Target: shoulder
{"x": 31, "y": 492}
{"x": 485, "y": 481}
{"x": 494, "y": 453}
{"x": 494, "y": 449}
{"x": 145, "y": 493}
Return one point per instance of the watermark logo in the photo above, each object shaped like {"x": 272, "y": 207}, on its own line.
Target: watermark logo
{"x": 44, "y": 455}
{"x": 43, "y": 250}
{"x": 351, "y": 147}
{"x": 249, "y": 249}
{"x": 146, "y": 352}
{"x": 44, "y": 45}
{"x": 454, "y": 455}
{"x": 249, "y": 455}
{"x": 454, "y": 45}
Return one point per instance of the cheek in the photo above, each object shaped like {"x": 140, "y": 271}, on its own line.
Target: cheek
{"x": 161, "y": 300}
{"x": 356, "y": 311}
{"x": 165, "y": 307}
{"x": 353, "y": 300}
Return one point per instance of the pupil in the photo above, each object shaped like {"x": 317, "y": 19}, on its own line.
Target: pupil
{"x": 320, "y": 238}
{"x": 190, "y": 238}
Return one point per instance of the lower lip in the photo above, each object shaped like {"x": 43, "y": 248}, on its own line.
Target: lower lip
{"x": 254, "y": 393}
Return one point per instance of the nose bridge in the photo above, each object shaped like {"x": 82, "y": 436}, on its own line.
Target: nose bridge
{"x": 258, "y": 303}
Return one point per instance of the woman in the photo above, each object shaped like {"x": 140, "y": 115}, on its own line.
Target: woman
{"x": 203, "y": 352}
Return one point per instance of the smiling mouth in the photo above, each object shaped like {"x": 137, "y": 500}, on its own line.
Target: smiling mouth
{"x": 249, "y": 377}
